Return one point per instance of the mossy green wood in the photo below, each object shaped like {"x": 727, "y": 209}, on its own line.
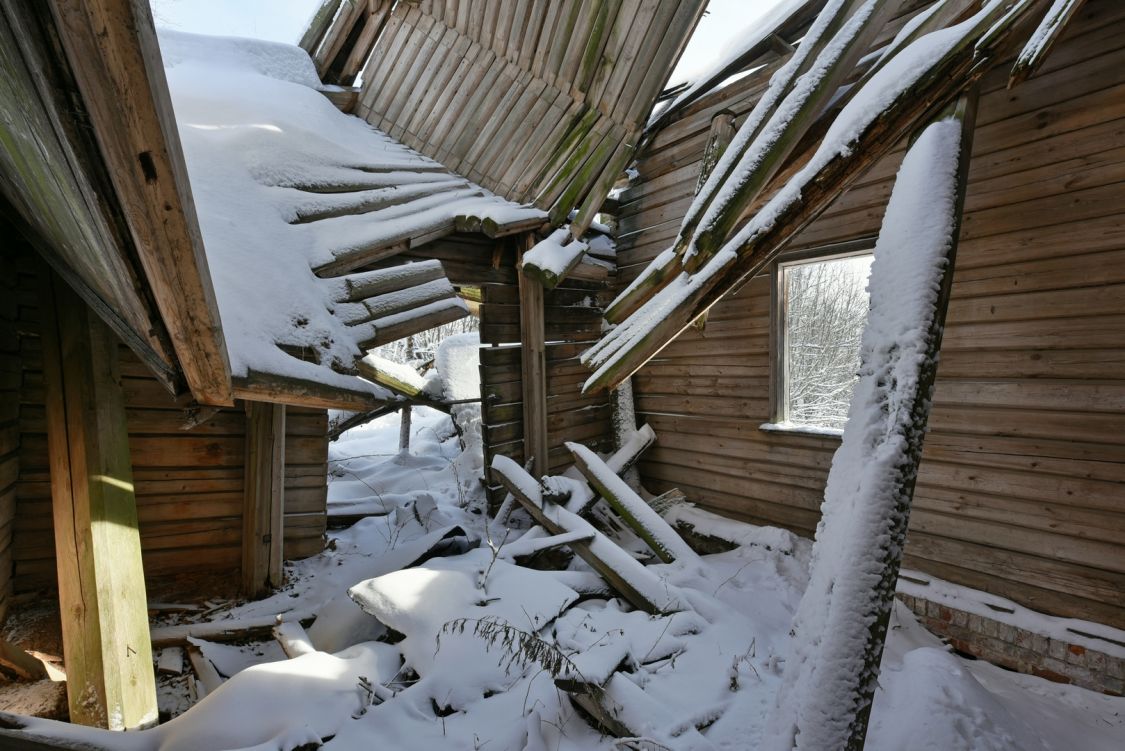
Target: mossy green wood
{"x": 108, "y": 656}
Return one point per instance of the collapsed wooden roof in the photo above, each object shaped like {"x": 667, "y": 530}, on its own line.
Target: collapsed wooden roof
{"x": 540, "y": 102}
{"x": 306, "y": 213}
{"x": 827, "y": 115}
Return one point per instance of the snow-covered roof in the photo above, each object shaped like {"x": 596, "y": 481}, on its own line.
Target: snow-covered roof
{"x": 295, "y": 199}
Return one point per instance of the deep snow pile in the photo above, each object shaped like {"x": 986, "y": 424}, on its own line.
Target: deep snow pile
{"x": 425, "y": 675}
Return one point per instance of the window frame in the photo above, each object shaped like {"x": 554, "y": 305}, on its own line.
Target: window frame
{"x": 779, "y": 375}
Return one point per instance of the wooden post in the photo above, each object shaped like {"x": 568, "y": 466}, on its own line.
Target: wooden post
{"x": 110, "y": 681}
{"x": 533, "y": 338}
{"x": 404, "y": 431}
{"x": 263, "y": 506}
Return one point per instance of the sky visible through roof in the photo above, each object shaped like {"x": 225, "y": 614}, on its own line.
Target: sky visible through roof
{"x": 284, "y": 20}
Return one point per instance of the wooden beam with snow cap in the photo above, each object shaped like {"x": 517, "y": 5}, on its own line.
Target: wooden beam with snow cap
{"x": 391, "y": 328}
{"x": 637, "y": 585}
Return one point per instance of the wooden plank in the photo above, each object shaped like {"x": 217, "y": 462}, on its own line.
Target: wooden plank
{"x": 263, "y": 509}
{"x": 101, "y": 584}
{"x": 534, "y": 372}
{"x": 115, "y": 56}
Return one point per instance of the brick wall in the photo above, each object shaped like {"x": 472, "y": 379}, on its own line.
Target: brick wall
{"x": 1019, "y": 649}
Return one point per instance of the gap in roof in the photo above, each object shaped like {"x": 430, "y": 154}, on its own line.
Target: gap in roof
{"x": 272, "y": 20}
{"x": 721, "y": 31}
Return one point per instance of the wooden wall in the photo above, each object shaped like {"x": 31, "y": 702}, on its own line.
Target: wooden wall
{"x": 1022, "y": 485}
{"x": 189, "y": 484}
{"x": 9, "y": 425}
{"x": 573, "y": 316}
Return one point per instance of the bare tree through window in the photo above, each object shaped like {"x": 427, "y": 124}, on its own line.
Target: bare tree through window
{"x": 826, "y": 305}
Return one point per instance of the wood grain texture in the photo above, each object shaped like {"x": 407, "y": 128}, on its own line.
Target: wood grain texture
{"x": 1019, "y": 491}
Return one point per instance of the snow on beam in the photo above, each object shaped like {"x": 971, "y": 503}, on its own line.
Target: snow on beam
{"x": 1043, "y": 40}
{"x": 924, "y": 76}
{"x": 841, "y": 624}
{"x": 368, "y": 284}
{"x": 392, "y": 328}
{"x": 553, "y": 259}
{"x": 637, "y": 585}
{"x": 271, "y": 387}
{"x": 632, "y": 509}
{"x": 619, "y": 463}
{"x": 393, "y": 303}
{"x": 330, "y": 206}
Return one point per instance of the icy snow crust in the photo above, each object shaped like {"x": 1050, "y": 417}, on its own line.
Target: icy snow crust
{"x": 253, "y": 125}
{"x": 721, "y": 661}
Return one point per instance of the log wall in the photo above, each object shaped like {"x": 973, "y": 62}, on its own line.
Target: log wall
{"x": 573, "y": 314}
{"x": 1022, "y": 485}
{"x": 9, "y": 425}
{"x": 188, "y": 482}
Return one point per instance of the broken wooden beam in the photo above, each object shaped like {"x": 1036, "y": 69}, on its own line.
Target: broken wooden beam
{"x": 637, "y": 585}
{"x": 232, "y": 629}
{"x": 293, "y": 638}
{"x": 365, "y": 285}
{"x": 17, "y": 664}
{"x": 620, "y": 462}
{"x": 207, "y": 677}
{"x": 550, "y": 261}
{"x": 632, "y": 509}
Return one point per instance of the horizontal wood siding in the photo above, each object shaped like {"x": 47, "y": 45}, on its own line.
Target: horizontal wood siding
{"x": 188, "y": 482}
{"x": 1022, "y": 485}
{"x": 573, "y": 320}
{"x": 9, "y": 424}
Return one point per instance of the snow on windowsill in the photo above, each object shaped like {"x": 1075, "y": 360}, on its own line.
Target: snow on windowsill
{"x": 789, "y": 427}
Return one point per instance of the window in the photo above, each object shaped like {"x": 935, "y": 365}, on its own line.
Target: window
{"x": 820, "y": 311}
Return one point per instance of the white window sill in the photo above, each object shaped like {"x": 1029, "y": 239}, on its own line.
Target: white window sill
{"x": 788, "y": 427}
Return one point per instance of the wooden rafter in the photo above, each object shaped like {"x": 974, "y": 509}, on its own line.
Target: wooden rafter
{"x": 113, "y": 51}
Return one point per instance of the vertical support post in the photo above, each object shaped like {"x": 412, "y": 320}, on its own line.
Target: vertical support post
{"x": 263, "y": 507}
{"x": 110, "y": 681}
{"x": 533, "y": 351}
{"x": 404, "y": 431}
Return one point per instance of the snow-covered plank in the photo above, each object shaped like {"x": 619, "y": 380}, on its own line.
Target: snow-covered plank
{"x": 841, "y": 624}
{"x": 551, "y": 260}
{"x": 636, "y": 584}
{"x": 933, "y": 69}
{"x": 225, "y": 630}
{"x": 398, "y": 377}
{"x": 293, "y": 639}
{"x": 394, "y": 327}
{"x": 170, "y": 661}
{"x": 796, "y": 96}
{"x": 1043, "y": 40}
{"x": 368, "y": 284}
{"x": 632, "y": 509}
{"x": 619, "y": 463}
